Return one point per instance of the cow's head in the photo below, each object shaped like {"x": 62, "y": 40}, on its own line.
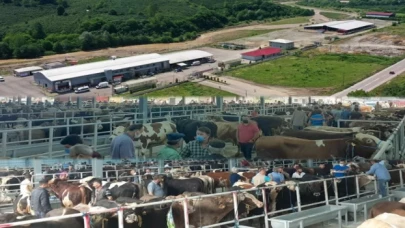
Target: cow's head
{"x": 372, "y": 141}
{"x": 251, "y": 200}
{"x": 117, "y": 131}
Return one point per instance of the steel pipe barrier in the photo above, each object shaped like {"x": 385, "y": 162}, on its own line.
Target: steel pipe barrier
{"x": 186, "y": 199}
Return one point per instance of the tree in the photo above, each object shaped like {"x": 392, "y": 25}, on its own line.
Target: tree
{"x": 28, "y": 51}
{"x": 113, "y": 12}
{"x": 37, "y": 31}
{"x": 152, "y": 9}
{"x": 60, "y": 10}
{"x": 5, "y": 51}
{"x": 57, "y": 47}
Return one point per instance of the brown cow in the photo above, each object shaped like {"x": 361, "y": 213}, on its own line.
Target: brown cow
{"x": 387, "y": 207}
{"x": 221, "y": 179}
{"x": 227, "y": 131}
{"x": 211, "y": 210}
{"x": 70, "y": 194}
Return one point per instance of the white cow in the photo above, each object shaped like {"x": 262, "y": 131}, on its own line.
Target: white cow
{"x": 385, "y": 220}
{"x": 153, "y": 134}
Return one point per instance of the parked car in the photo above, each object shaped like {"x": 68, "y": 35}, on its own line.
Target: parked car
{"x": 196, "y": 63}
{"x": 1, "y": 79}
{"x": 151, "y": 74}
{"x": 102, "y": 85}
{"x": 178, "y": 70}
{"x": 392, "y": 72}
{"x": 82, "y": 89}
{"x": 211, "y": 60}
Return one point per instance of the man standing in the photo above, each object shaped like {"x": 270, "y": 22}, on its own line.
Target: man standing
{"x": 337, "y": 113}
{"x": 260, "y": 177}
{"x": 135, "y": 178}
{"x": 341, "y": 169}
{"x": 345, "y": 116}
{"x": 169, "y": 152}
{"x": 246, "y": 134}
{"x": 40, "y": 199}
{"x": 154, "y": 188}
{"x": 298, "y": 174}
{"x": 99, "y": 193}
{"x": 122, "y": 146}
{"x": 26, "y": 185}
{"x": 299, "y": 119}
{"x": 382, "y": 175}
{"x": 316, "y": 117}
{"x": 277, "y": 175}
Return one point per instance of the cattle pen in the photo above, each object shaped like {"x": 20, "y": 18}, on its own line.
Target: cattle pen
{"x": 339, "y": 204}
{"x": 40, "y": 137}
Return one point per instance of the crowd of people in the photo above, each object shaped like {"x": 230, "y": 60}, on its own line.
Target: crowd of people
{"x": 329, "y": 116}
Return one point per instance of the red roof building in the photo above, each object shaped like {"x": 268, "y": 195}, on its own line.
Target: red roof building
{"x": 260, "y": 54}
{"x": 380, "y": 14}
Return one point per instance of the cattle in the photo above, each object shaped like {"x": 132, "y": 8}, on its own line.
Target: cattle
{"x": 117, "y": 189}
{"x": 210, "y": 210}
{"x": 70, "y": 194}
{"x": 189, "y": 128}
{"x": 152, "y": 135}
{"x": 22, "y": 205}
{"x": 315, "y": 135}
{"x": 174, "y": 187}
{"x": 385, "y": 220}
{"x": 227, "y": 132}
{"x": 387, "y": 207}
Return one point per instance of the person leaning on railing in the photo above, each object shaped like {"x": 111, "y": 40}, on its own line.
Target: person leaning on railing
{"x": 382, "y": 175}
{"x": 340, "y": 170}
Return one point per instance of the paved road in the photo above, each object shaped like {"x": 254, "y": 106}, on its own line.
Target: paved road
{"x": 376, "y": 80}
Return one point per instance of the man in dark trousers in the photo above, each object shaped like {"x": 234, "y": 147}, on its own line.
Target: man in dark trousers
{"x": 40, "y": 199}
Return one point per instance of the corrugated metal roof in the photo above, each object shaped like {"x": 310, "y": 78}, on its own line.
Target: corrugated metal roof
{"x": 101, "y": 69}
{"x": 283, "y": 41}
{"x": 343, "y": 25}
{"x": 184, "y": 56}
{"x": 263, "y": 51}
{"x": 25, "y": 69}
{"x": 99, "y": 66}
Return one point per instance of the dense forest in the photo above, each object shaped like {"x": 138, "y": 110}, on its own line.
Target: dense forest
{"x": 372, "y": 5}
{"x": 32, "y": 28}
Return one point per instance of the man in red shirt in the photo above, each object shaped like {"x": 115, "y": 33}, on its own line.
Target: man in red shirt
{"x": 246, "y": 134}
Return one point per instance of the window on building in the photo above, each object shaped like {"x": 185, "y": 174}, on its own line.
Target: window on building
{"x": 46, "y": 85}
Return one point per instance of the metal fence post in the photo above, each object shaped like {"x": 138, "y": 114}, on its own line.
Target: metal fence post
{"x": 297, "y": 191}
{"x": 325, "y": 187}
{"x": 357, "y": 186}
{"x": 401, "y": 181}
{"x": 29, "y": 132}
{"x": 336, "y": 191}
{"x": 4, "y": 144}
{"x": 50, "y": 146}
{"x": 235, "y": 208}
{"x": 86, "y": 219}
{"x": 120, "y": 213}
{"x": 95, "y": 138}
{"x": 185, "y": 210}
{"x": 266, "y": 222}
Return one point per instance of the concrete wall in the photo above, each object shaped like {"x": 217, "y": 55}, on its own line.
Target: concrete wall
{"x": 283, "y": 46}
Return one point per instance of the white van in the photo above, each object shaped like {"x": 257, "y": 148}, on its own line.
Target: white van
{"x": 102, "y": 85}
{"x": 82, "y": 89}
{"x": 196, "y": 63}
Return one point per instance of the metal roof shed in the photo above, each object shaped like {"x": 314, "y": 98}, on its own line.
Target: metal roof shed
{"x": 184, "y": 56}
{"x": 78, "y": 70}
{"x": 282, "y": 41}
{"x": 27, "y": 69}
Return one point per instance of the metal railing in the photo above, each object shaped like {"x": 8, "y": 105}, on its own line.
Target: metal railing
{"x": 234, "y": 194}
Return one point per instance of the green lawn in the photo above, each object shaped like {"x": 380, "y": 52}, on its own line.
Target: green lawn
{"x": 335, "y": 16}
{"x": 293, "y": 20}
{"x": 188, "y": 89}
{"x": 314, "y": 70}
{"x": 398, "y": 30}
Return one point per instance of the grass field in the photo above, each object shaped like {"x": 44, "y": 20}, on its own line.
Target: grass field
{"x": 398, "y": 30}
{"x": 188, "y": 89}
{"x": 332, "y": 72}
{"x": 334, "y": 16}
{"x": 294, "y": 20}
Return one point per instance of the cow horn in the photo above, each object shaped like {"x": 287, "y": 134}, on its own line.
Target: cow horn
{"x": 221, "y": 206}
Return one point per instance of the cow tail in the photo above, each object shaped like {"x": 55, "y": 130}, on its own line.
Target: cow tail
{"x": 371, "y": 214}
{"x": 83, "y": 192}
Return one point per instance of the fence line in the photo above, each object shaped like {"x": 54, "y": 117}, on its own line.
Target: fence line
{"x": 235, "y": 204}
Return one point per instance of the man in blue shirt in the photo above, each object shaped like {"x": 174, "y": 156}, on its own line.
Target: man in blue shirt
{"x": 154, "y": 188}
{"x": 122, "y": 146}
{"x": 341, "y": 169}
{"x": 345, "y": 116}
{"x": 277, "y": 175}
{"x": 234, "y": 177}
{"x": 382, "y": 175}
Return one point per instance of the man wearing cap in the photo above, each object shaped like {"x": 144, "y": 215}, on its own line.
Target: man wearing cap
{"x": 215, "y": 148}
{"x": 169, "y": 152}
{"x": 122, "y": 146}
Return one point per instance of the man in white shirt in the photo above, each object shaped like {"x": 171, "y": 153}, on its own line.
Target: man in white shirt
{"x": 26, "y": 185}
{"x": 298, "y": 173}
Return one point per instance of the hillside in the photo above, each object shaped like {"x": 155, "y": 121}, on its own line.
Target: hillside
{"x": 31, "y": 28}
